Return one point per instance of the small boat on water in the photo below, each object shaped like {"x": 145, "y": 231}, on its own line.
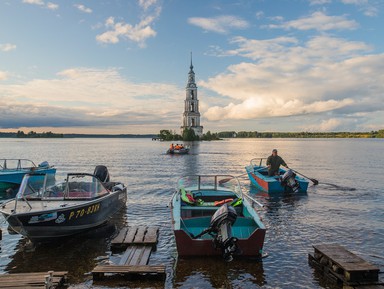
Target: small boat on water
{"x": 44, "y": 208}
{"x": 12, "y": 171}
{"x": 212, "y": 217}
{"x": 180, "y": 151}
{"x": 286, "y": 181}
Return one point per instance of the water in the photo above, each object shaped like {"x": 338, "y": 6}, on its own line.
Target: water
{"x": 347, "y": 208}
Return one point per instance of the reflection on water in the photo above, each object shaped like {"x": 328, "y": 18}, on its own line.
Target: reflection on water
{"x": 345, "y": 208}
{"x": 214, "y": 273}
{"x": 77, "y": 254}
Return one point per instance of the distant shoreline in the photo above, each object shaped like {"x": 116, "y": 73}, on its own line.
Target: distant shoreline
{"x": 228, "y": 134}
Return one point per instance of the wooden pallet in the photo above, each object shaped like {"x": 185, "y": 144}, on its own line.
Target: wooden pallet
{"x": 155, "y": 271}
{"x": 139, "y": 241}
{"x": 135, "y": 235}
{"x": 46, "y": 280}
{"x": 342, "y": 265}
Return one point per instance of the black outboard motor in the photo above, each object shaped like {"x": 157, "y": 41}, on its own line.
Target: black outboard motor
{"x": 288, "y": 180}
{"x": 101, "y": 172}
{"x": 221, "y": 224}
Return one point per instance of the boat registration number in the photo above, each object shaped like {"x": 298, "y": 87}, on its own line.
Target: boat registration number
{"x": 83, "y": 212}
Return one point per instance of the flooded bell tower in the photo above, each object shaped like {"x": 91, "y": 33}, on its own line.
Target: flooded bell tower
{"x": 191, "y": 115}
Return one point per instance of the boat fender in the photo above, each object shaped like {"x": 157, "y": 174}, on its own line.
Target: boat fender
{"x": 219, "y": 203}
{"x": 118, "y": 187}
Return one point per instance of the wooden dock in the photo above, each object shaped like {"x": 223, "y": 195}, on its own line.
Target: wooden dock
{"x": 343, "y": 267}
{"x": 43, "y": 280}
{"x": 135, "y": 235}
{"x": 139, "y": 243}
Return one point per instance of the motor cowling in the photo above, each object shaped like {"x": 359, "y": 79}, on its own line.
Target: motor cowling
{"x": 221, "y": 225}
{"x": 289, "y": 180}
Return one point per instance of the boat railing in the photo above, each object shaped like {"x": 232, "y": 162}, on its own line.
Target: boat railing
{"x": 16, "y": 164}
{"x": 211, "y": 182}
{"x": 257, "y": 162}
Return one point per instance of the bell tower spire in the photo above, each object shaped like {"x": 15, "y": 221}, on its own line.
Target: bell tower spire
{"x": 191, "y": 115}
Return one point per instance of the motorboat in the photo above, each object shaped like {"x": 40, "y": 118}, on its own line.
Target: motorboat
{"x": 45, "y": 208}
{"x": 285, "y": 181}
{"x": 212, "y": 217}
{"x": 12, "y": 171}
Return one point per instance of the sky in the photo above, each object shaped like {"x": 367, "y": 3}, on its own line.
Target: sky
{"x": 121, "y": 66}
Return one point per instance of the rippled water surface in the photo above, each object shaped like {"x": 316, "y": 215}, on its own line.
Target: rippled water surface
{"x": 347, "y": 207}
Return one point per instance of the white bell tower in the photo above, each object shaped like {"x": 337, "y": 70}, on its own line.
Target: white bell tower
{"x": 191, "y": 115}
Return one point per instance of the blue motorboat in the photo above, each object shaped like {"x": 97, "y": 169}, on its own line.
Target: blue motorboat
{"x": 12, "y": 171}
{"x": 285, "y": 181}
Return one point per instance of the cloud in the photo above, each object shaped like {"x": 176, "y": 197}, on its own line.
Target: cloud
{"x": 34, "y": 2}
{"x": 137, "y": 33}
{"x": 219, "y": 24}
{"x": 283, "y": 77}
{"x": 369, "y": 8}
{"x": 49, "y": 5}
{"x": 318, "y": 21}
{"x": 7, "y": 47}
{"x": 319, "y": 2}
{"x": 82, "y": 8}
{"x": 3, "y": 75}
{"x": 88, "y": 97}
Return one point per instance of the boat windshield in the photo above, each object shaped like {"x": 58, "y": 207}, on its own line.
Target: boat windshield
{"x": 16, "y": 164}
{"x": 75, "y": 186}
{"x": 211, "y": 182}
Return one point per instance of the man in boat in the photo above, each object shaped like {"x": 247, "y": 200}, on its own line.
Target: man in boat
{"x": 273, "y": 162}
{"x": 171, "y": 148}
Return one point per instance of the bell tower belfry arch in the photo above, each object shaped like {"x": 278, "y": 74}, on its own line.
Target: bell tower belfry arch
{"x": 191, "y": 115}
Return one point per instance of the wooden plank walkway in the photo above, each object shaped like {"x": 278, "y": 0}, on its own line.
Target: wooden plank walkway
{"x": 46, "y": 280}
{"x": 139, "y": 243}
{"x": 343, "y": 266}
{"x": 135, "y": 235}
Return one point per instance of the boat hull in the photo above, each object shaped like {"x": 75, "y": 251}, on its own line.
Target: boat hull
{"x": 272, "y": 184}
{"x": 188, "y": 247}
{"x": 178, "y": 152}
{"x": 68, "y": 220}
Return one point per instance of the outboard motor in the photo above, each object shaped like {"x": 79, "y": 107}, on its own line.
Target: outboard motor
{"x": 221, "y": 224}
{"x": 101, "y": 172}
{"x": 288, "y": 180}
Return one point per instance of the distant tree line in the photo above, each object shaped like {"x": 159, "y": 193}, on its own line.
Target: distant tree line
{"x": 189, "y": 135}
{"x": 33, "y": 134}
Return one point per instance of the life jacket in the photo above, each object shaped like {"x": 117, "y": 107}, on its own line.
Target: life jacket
{"x": 188, "y": 198}
{"x": 219, "y": 203}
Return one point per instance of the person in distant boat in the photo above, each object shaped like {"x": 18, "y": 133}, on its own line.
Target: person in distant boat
{"x": 273, "y": 162}
{"x": 172, "y": 147}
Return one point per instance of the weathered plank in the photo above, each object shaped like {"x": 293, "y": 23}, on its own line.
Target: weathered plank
{"x": 348, "y": 267}
{"x": 139, "y": 235}
{"x": 131, "y": 234}
{"x": 121, "y": 236}
{"x": 136, "y": 255}
{"x": 36, "y": 280}
{"x": 151, "y": 235}
{"x": 157, "y": 271}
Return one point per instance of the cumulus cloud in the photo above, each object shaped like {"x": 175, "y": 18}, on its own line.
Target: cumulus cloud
{"x": 139, "y": 33}
{"x": 318, "y": 21}
{"x": 82, "y": 8}
{"x": 219, "y": 24}
{"x": 48, "y": 5}
{"x": 7, "y": 47}
{"x": 284, "y": 77}
{"x": 87, "y": 97}
{"x": 369, "y": 8}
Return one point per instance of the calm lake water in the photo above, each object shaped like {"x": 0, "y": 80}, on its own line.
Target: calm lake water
{"x": 347, "y": 208}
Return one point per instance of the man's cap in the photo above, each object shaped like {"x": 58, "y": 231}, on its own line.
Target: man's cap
{"x": 274, "y": 150}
